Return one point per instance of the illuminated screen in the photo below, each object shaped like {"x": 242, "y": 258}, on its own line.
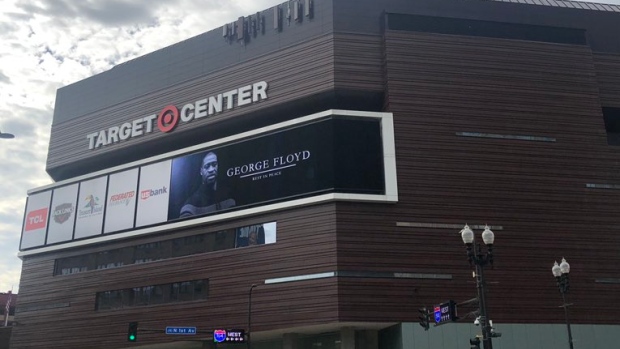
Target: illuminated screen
{"x": 335, "y": 154}
{"x": 341, "y": 155}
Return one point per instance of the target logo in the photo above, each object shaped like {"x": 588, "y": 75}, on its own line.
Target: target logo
{"x": 168, "y": 119}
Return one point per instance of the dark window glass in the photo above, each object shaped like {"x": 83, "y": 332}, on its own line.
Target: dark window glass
{"x": 224, "y": 240}
{"x": 77, "y": 264}
{"x": 155, "y": 251}
{"x": 183, "y": 291}
{"x": 160, "y": 294}
{"x": 612, "y": 125}
{"x": 114, "y": 258}
{"x": 110, "y": 300}
{"x": 489, "y": 29}
{"x": 141, "y": 295}
{"x": 201, "y": 288}
{"x": 189, "y": 245}
{"x": 151, "y": 252}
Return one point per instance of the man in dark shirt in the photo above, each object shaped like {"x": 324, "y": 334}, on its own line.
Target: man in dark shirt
{"x": 208, "y": 198}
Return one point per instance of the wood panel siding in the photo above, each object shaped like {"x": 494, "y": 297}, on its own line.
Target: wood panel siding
{"x": 440, "y": 85}
{"x": 62, "y": 308}
{"x": 358, "y": 62}
{"x": 608, "y": 77}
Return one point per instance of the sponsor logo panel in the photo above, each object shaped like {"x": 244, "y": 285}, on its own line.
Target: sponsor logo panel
{"x": 36, "y": 219}
{"x": 121, "y": 201}
{"x": 62, "y": 212}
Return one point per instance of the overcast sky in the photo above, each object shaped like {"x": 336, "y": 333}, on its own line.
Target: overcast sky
{"x": 47, "y": 44}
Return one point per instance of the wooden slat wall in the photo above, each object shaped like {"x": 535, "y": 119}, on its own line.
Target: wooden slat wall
{"x": 305, "y": 245}
{"x": 608, "y": 77}
{"x": 439, "y": 85}
{"x": 358, "y": 62}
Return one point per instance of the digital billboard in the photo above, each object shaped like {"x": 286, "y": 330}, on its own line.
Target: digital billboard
{"x": 343, "y": 155}
{"x": 298, "y": 161}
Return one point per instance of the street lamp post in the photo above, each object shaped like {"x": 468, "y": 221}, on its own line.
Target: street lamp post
{"x": 561, "y": 276}
{"x": 480, "y": 260}
{"x": 250, "y": 315}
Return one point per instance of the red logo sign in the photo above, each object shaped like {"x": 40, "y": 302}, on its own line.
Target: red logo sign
{"x": 168, "y": 118}
{"x": 36, "y": 219}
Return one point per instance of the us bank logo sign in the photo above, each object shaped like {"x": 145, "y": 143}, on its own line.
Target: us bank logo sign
{"x": 170, "y": 116}
{"x": 149, "y": 193}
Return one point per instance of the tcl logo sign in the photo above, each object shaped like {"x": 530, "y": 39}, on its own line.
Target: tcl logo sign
{"x": 36, "y": 219}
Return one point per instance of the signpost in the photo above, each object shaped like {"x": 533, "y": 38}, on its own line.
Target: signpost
{"x": 445, "y": 312}
{"x": 229, "y": 336}
{"x": 181, "y": 330}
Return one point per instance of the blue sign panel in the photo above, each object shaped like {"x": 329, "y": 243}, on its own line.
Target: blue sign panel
{"x": 445, "y": 312}
{"x": 180, "y": 330}
{"x": 229, "y": 336}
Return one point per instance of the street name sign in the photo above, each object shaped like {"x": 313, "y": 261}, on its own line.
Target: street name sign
{"x": 180, "y": 330}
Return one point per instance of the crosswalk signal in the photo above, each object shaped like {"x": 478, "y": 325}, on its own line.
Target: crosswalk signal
{"x": 474, "y": 343}
{"x": 424, "y": 318}
{"x": 132, "y": 332}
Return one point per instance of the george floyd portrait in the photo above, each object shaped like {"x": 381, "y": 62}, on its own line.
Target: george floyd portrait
{"x": 208, "y": 194}
{"x": 250, "y": 235}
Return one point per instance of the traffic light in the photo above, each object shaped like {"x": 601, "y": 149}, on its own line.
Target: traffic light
{"x": 474, "y": 343}
{"x": 424, "y": 318}
{"x": 132, "y": 332}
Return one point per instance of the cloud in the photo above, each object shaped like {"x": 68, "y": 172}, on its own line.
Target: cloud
{"x": 3, "y": 78}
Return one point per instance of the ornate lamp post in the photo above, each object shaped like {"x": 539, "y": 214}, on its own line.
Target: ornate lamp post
{"x": 480, "y": 260}
{"x": 561, "y": 276}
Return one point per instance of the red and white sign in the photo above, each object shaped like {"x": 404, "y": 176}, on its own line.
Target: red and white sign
{"x": 154, "y": 193}
{"x": 35, "y": 220}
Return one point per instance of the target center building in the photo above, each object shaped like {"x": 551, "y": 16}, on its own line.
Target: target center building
{"x": 301, "y": 174}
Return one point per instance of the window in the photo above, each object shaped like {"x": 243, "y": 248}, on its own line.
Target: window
{"x": 183, "y": 291}
{"x": 258, "y": 234}
{"x": 189, "y": 245}
{"x": 73, "y": 265}
{"x": 612, "y": 125}
{"x": 110, "y": 300}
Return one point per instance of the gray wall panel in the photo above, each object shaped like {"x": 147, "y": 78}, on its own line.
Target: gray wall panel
{"x": 204, "y": 54}
{"x": 514, "y": 336}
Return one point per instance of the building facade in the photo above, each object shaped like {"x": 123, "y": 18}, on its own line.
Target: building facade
{"x": 302, "y": 174}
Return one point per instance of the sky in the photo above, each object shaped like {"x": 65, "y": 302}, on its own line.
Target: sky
{"x": 47, "y": 44}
